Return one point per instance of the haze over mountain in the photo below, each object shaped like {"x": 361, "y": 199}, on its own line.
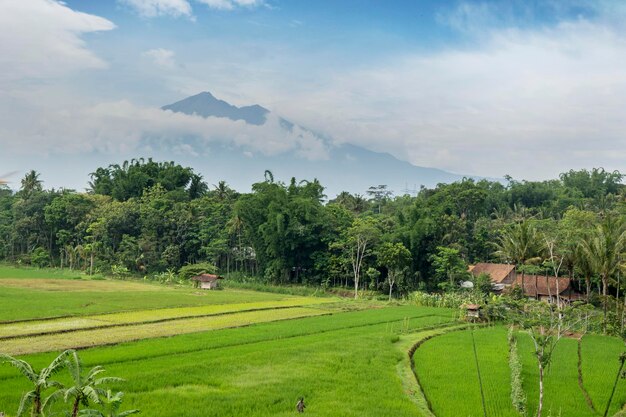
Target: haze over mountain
{"x": 344, "y": 167}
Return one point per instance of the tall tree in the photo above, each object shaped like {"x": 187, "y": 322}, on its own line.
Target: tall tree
{"x": 604, "y": 249}
{"x": 359, "y": 239}
{"x": 395, "y": 257}
{"x": 521, "y": 244}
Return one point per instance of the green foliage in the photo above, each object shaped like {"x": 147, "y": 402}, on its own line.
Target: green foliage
{"x": 150, "y": 217}
{"x": 40, "y": 258}
{"x": 518, "y": 396}
{"x": 189, "y": 271}
{"x": 449, "y": 266}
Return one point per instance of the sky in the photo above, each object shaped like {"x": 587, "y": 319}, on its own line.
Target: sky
{"x": 488, "y": 88}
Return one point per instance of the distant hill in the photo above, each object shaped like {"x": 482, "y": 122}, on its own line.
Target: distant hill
{"x": 348, "y": 168}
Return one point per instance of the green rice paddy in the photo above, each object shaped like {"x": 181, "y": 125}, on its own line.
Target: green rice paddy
{"x": 447, "y": 370}
{"x": 186, "y": 352}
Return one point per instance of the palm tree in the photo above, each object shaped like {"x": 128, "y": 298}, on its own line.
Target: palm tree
{"x": 111, "y": 404}
{"x": 85, "y": 388}
{"x": 222, "y": 190}
{"x": 521, "y": 244}
{"x": 41, "y": 381}
{"x": 584, "y": 263}
{"x": 603, "y": 250}
{"x": 31, "y": 183}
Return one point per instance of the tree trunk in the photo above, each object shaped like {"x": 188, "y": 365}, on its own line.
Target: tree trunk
{"x": 588, "y": 285}
{"x": 91, "y": 264}
{"x": 36, "y": 405}
{"x": 540, "y": 407}
{"x": 605, "y": 285}
{"x": 75, "y": 407}
{"x": 523, "y": 289}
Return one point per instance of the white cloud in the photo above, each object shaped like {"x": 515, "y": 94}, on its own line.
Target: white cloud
{"x": 232, "y": 4}
{"x": 42, "y": 38}
{"x": 122, "y": 127}
{"x": 178, "y": 8}
{"x": 530, "y": 103}
{"x": 155, "y": 8}
{"x": 162, "y": 57}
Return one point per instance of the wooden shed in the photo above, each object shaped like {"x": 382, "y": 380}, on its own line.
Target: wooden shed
{"x": 207, "y": 281}
{"x": 472, "y": 312}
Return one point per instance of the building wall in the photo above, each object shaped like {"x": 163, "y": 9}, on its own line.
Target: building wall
{"x": 208, "y": 285}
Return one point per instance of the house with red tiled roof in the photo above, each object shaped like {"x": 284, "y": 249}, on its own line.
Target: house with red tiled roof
{"x": 545, "y": 288}
{"x": 548, "y": 289}
{"x": 499, "y": 273}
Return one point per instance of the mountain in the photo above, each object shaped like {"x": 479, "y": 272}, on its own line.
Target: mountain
{"x": 205, "y": 105}
{"x": 346, "y": 167}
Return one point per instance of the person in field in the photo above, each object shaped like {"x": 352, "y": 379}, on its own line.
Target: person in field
{"x": 300, "y": 405}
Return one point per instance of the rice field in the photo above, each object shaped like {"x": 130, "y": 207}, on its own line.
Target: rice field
{"x": 42, "y": 327}
{"x": 186, "y": 352}
{"x": 54, "y": 294}
{"x": 448, "y": 373}
{"x": 343, "y": 364}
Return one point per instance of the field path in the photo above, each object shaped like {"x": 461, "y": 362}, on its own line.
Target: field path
{"x": 408, "y": 343}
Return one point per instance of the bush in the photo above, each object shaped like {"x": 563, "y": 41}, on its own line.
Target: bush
{"x": 189, "y": 271}
{"x": 40, "y": 258}
{"x": 449, "y": 300}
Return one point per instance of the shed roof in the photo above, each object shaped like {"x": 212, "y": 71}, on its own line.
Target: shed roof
{"x": 497, "y": 272}
{"x": 206, "y": 278}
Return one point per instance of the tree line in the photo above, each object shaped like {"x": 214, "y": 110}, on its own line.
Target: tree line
{"x": 148, "y": 218}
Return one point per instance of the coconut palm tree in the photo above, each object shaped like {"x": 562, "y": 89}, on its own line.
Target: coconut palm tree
{"x": 41, "y": 381}
{"x": 86, "y": 387}
{"x": 31, "y": 183}
{"x": 111, "y": 404}
{"x": 604, "y": 249}
{"x": 521, "y": 244}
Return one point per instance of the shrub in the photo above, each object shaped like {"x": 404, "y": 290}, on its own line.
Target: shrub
{"x": 189, "y": 271}
{"x": 449, "y": 300}
{"x": 40, "y": 258}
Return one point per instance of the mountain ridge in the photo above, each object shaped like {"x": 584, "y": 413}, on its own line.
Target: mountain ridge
{"x": 348, "y": 167}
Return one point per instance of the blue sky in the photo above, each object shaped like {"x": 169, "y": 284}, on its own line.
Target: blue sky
{"x": 526, "y": 88}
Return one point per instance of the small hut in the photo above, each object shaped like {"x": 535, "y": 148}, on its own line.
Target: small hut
{"x": 207, "y": 281}
{"x": 472, "y": 312}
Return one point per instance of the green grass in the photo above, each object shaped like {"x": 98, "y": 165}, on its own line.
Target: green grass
{"x": 446, "y": 368}
{"x": 344, "y": 365}
{"x": 40, "y": 327}
{"x": 452, "y": 388}
{"x": 9, "y": 271}
{"x": 600, "y": 364}
{"x": 28, "y": 293}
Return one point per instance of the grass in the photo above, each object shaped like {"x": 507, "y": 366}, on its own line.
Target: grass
{"x": 446, "y": 368}
{"x": 451, "y": 385}
{"x": 29, "y": 293}
{"x": 40, "y": 327}
{"x": 344, "y": 365}
{"x": 599, "y": 366}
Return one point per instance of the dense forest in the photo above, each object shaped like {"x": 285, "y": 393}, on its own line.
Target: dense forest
{"x": 148, "y": 218}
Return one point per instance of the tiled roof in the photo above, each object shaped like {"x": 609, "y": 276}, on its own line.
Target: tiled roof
{"x": 497, "y": 272}
{"x": 538, "y": 285}
{"x": 206, "y": 278}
